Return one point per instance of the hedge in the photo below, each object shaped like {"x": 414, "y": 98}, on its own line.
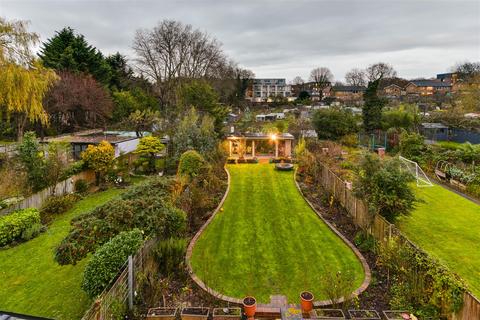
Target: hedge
{"x": 108, "y": 260}
{"x": 16, "y": 225}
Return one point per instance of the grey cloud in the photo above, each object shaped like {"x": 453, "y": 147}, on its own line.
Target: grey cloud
{"x": 284, "y": 38}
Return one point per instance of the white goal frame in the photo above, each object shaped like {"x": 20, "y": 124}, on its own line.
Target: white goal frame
{"x": 414, "y": 168}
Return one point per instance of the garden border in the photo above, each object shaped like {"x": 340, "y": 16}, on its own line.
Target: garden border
{"x": 366, "y": 267}
{"x": 223, "y": 297}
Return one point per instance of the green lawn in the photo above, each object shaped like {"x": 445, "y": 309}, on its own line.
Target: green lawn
{"x": 32, "y": 282}
{"x": 268, "y": 241}
{"x": 447, "y": 226}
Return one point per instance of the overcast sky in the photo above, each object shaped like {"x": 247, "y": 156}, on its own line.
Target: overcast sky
{"x": 283, "y": 38}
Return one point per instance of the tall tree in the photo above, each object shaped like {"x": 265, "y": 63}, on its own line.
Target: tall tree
{"x": 121, "y": 74}
{"x": 23, "y": 80}
{"x": 467, "y": 70}
{"x": 67, "y": 51}
{"x": 372, "y": 108}
{"x": 356, "y": 77}
{"x": 298, "y": 81}
{"x": 172, "y": 51}
{"x": 380, "y": 70}
{"x": 202, "y": 96}
{"x": 322, "y": 77}
{"x": 78, "y": 101}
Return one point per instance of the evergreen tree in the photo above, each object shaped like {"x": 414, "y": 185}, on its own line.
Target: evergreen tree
{"x": 372, "y": 109}
{"x": 121, "y": 74}
{"x": 67, "y": 51}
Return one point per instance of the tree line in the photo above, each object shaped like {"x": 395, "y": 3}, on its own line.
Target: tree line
{"x": 71, "y": 85}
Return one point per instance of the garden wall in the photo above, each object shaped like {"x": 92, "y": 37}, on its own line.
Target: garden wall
{"x": 380, "y": 229}
{"x": 63, "y": 187}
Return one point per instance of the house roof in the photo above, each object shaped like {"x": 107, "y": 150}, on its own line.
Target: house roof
{"x": 431, "y": 83}
{"x": 260, "y": 135}
{"x": 348, "y": 88}
{"x": 16, "y": 316}
{"x": 434, "y": 125}
{"x": 402, "y": 83}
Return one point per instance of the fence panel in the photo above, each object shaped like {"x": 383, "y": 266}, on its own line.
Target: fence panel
{"x": 63, "y": 187}
{"x": 381, "y": 229}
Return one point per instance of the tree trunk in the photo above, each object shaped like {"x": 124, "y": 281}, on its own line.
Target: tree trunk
{"x": 21, "y": 123}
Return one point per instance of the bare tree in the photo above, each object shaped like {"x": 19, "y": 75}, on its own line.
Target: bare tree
{"x": 298, "y": 81}
{"x": 172, "y": 51}
{"x": 322, "y": 77}
{"x": 356, "y": 77}
{"x": 379, "y": 71}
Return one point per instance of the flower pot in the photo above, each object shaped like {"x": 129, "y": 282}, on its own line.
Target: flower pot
{"x": 306, "y": 300}
{"x": 162, "y": 313}
{"x": 249, "y": 306}
{"x": 227, "y": 313}
{"x": 195, "y": 313}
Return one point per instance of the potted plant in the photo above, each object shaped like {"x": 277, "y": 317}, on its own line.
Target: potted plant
{"x": 364, "y": 315}
{"x": 306, "y": 298}
{"x": 397, "y": 315}
{"x": 249, "y": 306}
{"x": 195, "y": 313}
{"x": 227, "y": 313}
{"x": 162, "y": 313}
{"x": 331, "y": 314}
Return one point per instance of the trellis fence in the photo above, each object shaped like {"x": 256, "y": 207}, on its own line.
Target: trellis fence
{"x": 63, "y": 187}
{"x": 379, "y": 228}
{"x": 121, "y": 291}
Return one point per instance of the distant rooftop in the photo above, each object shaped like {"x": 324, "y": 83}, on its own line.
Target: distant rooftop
{"x": 431, "y": 83}
{"x": 434, "y": 125}
{"x": 348, "y": 88}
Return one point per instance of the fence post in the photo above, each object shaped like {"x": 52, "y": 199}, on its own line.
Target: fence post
{"x": 130, "y": 283}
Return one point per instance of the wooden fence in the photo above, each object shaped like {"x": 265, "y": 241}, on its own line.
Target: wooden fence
{"x": 121, "y": 289}
{"x": 379, "y": 228}
{"x": 63, "y": 187}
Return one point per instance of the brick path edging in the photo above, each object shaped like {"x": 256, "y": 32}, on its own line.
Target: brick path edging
{"x": 366, "y": 268}
{"x": 225, "y": 298}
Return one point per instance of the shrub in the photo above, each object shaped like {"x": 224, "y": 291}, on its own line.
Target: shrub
{"x": 191, "y": 163}
{"x": 349, "y": 140}
{"x": 16, "y": 225}
{"x": 149, "y": 147}
{"x": 145, "y": 207}
{"x": 81, "y": 186}
{"x": 170, "y": 255}
{"x": 334, "y": 123}
{"x": 56, "y": 205}
{"x": 107, "y": 261}
{"x": 385, "y": 187}
{"x": 412, "y": 146}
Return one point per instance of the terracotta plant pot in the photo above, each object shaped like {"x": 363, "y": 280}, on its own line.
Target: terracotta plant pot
{"x": 306, "y": 299}
{"x": 249, "y": 306}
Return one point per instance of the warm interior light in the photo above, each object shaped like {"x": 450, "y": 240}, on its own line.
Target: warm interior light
{"x": 273, "y": 136}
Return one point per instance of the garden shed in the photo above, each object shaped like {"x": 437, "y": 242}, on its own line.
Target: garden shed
{"x": 258, "y": 145}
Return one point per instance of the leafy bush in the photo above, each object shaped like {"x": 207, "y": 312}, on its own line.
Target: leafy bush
{"x": 74, "y": 168}
{"x": 413, "y": 147}
{"x": 17, "y": 225}
{"x": 56, "y": 205}
{"x": 334, "y": 123}
{"x": 81, "y": 186}
{"x": 170, "y": 256}
{"x": 107, "y": 261}
{"x": 191, "y": 163}
{"x": 145, "y": 207}
{"x": 384, "y": 186}
{"x": 149, "y": 147}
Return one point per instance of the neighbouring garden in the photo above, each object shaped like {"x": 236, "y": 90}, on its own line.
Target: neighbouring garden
{"x": 33, "y": 283}
{"x": 266, "y": 240}
{"x": 443, "y": 224}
